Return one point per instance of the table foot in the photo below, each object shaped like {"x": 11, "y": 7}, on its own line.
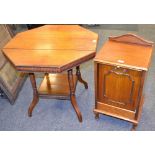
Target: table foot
{"x": 32, "y": 105}
{"x": 75, "y": 106}
{"x": 35, "y": 94}
{"x": 96, "y": 115}
{"x": 78, "y": 74}
{"x": 134, "y": 127}
{"x": 72, "y": 95}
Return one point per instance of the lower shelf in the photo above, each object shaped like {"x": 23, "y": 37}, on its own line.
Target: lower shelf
{"x": 117, "y": 112}
{"x": 56, "y": 86}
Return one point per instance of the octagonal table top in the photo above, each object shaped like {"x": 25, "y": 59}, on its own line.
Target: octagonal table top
{"x": 51, "y": 48}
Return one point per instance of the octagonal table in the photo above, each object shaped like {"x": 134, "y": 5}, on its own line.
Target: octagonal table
{"x": 53, "y": 49}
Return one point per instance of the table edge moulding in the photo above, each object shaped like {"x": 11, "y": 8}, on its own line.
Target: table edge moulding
{"x": 116, "y": 60}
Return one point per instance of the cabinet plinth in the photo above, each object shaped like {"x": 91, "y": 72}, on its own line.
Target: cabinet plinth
{"x": 119, "y": 80}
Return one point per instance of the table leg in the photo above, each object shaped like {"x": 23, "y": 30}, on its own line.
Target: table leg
{"x": 35, "y": 94}
{"x": 96, "y": 115}
{"x": 78, "y": 74}
{"x": 72, "y": 94}
{"x": 134, "y": 127}
{"x": 48, "y": 81}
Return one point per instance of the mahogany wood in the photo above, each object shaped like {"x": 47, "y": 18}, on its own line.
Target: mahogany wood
{"x": 54, "y": 85}
{"x": 125, "y": 54}
{"x": 56, "y": 60}
{"x": 72, "y": 94}
{"x": 78, "y": 74}
{"x": 53, "y": 49}
{"x": 131, "y": 39}
{"x": 55, "y": 37}
{"x": 64, "y": 46}
{"x": 35, "y": 94}
{"x": 120, "y": 71}
{"x": 114, "y": 80}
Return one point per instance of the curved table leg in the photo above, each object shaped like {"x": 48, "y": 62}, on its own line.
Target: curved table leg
{"x": 72, "y": 95}
{"x": 78, "y": 74}
{"x": 35, "y": 94}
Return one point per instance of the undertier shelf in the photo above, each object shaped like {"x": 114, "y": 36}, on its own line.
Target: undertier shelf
{"x": 55, "y": 86}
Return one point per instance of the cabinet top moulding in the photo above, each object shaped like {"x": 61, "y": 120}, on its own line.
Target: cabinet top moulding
{"x": 128, "y": 50}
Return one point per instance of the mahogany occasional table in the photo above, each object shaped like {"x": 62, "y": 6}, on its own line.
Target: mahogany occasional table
{"x": 53, "y": 49}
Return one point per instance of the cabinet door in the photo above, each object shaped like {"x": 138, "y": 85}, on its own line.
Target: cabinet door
{"x": 118, "y": 86}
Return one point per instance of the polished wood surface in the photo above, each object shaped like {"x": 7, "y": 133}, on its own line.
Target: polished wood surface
{"x": 131, "y": 39}
{"x": 125, "y": 54}
{"x": 54, "y": 58}
{"x": 79, "y": 77}
{"x": 60, "y": 45}
{"x": 55, "y": 85}
{"x": 35, "y": 94}
{"x": 72, "y": 88}
{"x": 119, "y": 85}
{"x": 53, "y": 49}
{"x": 55, "y": 37}
{"x": 114, "y": 111}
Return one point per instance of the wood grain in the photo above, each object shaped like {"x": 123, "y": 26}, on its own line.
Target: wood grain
{"x": 115, "y": 89}
{"x": 131, "y": 39}
{"x": 72, "y": 94}
{"x": 45, "y": 58}
{"x": 119, "y": 53}
{"x": 54, "y": 48}
{"x": 55, "y": 85}
{"x": 120, "y": 71}
{"x": 59, "y": 37}
{"x": 117, "y": 112}
{"x": 35, "y": 94}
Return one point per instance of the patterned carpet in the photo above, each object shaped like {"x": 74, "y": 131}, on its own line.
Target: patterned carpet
{"x": 59, "y": 115}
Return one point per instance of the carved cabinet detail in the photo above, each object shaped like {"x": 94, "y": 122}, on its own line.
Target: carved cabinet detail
{"x": 118, "y": 86}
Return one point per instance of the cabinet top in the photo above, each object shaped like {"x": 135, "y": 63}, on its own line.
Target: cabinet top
{"x": 128, "y": 50}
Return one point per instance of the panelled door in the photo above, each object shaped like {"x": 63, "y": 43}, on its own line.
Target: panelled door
{"x": 118, "y": 86}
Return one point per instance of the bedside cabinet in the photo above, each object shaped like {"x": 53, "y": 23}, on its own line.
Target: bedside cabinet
{"x": 120, "y": 70}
